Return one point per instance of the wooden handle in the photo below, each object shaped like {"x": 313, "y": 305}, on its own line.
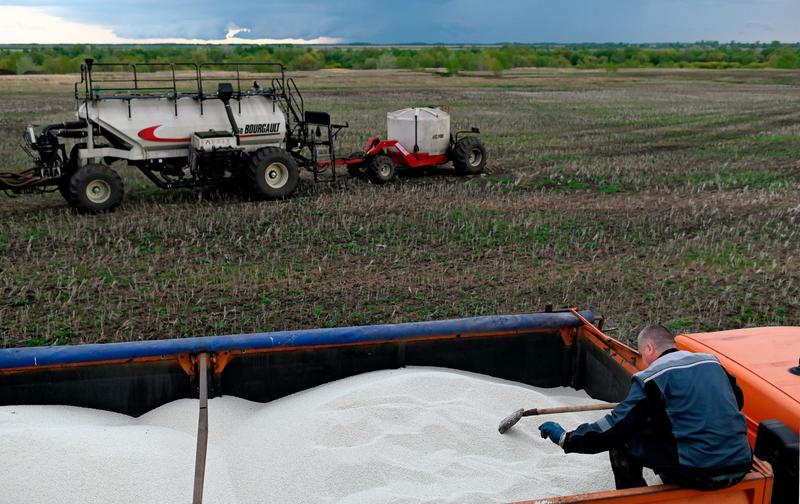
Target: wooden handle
{"x": 569, "y": 409}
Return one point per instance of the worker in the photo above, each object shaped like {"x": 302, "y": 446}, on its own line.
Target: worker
{"x": 682, "y": 418}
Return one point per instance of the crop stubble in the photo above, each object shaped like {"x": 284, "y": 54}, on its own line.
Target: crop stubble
{"x": 669, "y": 196}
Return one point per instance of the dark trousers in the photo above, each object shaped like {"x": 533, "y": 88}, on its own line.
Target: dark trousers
{"x": 628, "y": 474}
{"x": 627, "y": 469}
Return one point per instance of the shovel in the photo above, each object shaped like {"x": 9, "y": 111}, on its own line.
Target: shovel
{"x": 515, "y": 417}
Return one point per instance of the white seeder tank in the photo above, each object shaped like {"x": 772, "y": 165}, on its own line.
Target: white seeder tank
{"x": 432, "y": 129}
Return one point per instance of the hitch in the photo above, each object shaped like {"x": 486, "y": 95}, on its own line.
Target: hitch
{"x": 24, "y": 181}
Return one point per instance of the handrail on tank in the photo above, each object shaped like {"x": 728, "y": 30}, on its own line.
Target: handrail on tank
{"x": 89, "y": 78}
{"x": 171, "y": 90}
{"x": 236, "y": 66}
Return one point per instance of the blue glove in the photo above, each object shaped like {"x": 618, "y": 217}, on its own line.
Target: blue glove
{"x": 551, "y": 430}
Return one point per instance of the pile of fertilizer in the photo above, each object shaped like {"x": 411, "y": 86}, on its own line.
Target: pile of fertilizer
{"x": 406, "y": 435}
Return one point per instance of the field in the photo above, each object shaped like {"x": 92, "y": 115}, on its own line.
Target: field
{"x": 666, "y": 196}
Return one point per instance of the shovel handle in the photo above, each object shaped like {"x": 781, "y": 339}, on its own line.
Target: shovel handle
{"x": 569, "y": 409}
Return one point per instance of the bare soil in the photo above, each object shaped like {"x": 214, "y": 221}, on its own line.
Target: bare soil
{"x": 646, "y": 196}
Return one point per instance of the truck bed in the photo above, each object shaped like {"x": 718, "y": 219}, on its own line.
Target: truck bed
{"x": 549, "y": 349}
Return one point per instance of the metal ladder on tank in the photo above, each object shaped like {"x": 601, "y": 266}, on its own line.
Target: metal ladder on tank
{"x": 315, "y": 128}
{"x": 295, "y": 106}
{"x": 320, "y": 138}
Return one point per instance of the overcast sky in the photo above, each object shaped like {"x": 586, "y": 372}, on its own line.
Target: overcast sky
{"x": 407, "y": 21}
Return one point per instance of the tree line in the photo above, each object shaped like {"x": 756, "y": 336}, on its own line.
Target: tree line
{"x": 451, "y": 60}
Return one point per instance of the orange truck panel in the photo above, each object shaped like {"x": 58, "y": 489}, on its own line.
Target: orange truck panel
{"x": 755, "y": 488}
{"x": 760, "y": 359}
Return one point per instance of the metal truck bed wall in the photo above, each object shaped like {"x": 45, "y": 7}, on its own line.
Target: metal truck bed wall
{"x": 543, "y": 349}
{"x": 548, "y": 349}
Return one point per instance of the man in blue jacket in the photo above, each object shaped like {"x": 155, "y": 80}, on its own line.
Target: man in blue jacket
{"x": 681, "y": 418}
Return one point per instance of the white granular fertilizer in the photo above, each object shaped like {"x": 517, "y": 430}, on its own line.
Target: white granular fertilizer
{"x": 406, "y": 435}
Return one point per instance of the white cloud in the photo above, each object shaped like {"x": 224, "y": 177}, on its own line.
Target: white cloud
{"x": 40, "y": 25}
{"x": 233, "y": 31}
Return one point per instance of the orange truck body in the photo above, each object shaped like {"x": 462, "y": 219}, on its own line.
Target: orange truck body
{"x": 759, "y": 358}
{"x": 756, "y": 487}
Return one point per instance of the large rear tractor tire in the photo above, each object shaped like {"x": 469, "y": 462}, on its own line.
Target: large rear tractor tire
{"x": 381, "y": 169}
{"x": 273, "y": 173}
{"x": 95, "y": 188}
{"x": 469, "y": 156}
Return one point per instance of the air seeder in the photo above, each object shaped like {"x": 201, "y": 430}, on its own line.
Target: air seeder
{"x": 188, "y": 125}
{"x": 418, "y": 138}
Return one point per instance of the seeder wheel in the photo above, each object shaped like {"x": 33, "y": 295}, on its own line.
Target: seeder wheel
{"x": 469, "y": 156}
{"x": 95, "y": 188}
{"x": 381, "y": 169}
{"x": 273, "y": 173}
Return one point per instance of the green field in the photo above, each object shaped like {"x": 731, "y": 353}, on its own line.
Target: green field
{"x": 666, "y": 196}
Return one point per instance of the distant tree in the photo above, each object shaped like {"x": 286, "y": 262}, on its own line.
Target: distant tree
{"x": 705, "y": 54}
{"x": 370, "y": 63}
{"x": 784, "y": 58}
{"x": 387, "y": 60}
{"x": 25, "y": 65}
{"x": 453, "y": 64}
{"x": 58, "y": 65}
{"x": 308, "y": 61}
{"x": 406, "y": 62}
{"x": 488, "y": 63}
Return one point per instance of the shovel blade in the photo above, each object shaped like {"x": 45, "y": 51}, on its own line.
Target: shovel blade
{"x": 510, "y": 421}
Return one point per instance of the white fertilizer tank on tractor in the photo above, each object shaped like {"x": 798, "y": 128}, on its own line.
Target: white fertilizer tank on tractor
{"x": 189, "y": 125}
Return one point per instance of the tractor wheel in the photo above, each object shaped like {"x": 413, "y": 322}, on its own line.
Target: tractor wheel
{"x": 69, "y": 170}
{"x": 95, "y": 188}
{"x": 273, "y": 173}
{"x": 63, "y": 188}
{"x": 357, "y": 170}
{"x": 381, "y": 169}
{"x": 469, "y": 156}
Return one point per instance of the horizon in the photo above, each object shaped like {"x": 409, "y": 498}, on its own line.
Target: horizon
{"x": 412, "y": 45}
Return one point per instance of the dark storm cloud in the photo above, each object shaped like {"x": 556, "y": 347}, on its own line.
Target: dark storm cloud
{"x": 479, "y": 21}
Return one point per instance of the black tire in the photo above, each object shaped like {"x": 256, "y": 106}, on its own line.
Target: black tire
{"x": 469, "y": 156}
{"x": 69, "y": 170}
{"x": 381, "y": 169}
{"x": 95, "y": 188}
{"x": 273, "y": 173}
{"x": 358, "y": 170}
{"x": 74, "y": 158}
{"x": 63, "y": 188}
